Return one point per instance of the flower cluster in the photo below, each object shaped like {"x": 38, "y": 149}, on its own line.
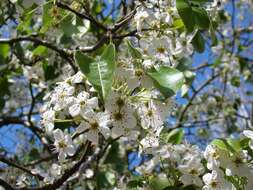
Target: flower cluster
{"x": 137, "y": 106}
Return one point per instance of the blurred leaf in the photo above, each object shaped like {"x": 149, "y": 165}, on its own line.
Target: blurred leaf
{"x": 24, "y": 25}
{"x": 159, "y": 183}
{"x": 114, "y": 158}
{"x": 198, "y": 42}
{"x": 230, "y": 145}
{"x": 4, "y": 50}
{"x": 102, "y": 180}
{"x": 192, "y": 16}
{"x": 47, "y": 17}
{"x": 134, "y": 52}
{"x": 49, "y": 70}
{"x": 34, "y": 154}
{"x": 235, "y": 81}
{"x": 137, "y": 181}
{"x": 40, "y": 50}
{"x": 110, "y": 177}
{"x": 201, "y": 18}
{"x": 186, "y": 14}
{"x": 177, "y": 24}
{"x": 175, "y": 136}
{"x": 67, "y": 26}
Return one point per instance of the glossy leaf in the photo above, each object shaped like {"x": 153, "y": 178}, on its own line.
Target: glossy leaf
{"x": 168, "y": 80}
{"x": 201, "y": 18}
{"x": 186, "y": 14}
{"x": 99, "y": 71}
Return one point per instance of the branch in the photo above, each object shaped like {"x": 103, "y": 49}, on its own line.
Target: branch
{"x": 6, "y": 185}
{"x": 68, "y": 173}
{"x": 181, "y": 117}
{"x": 11, "y": 163}
{"x": 62, "y": 52}
{"x": 82, "y": 15}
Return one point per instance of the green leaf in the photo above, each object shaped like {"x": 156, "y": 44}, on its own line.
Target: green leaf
{"x": 244, "y": 143}
{"x": 137, "y": 181}
{"x": 175, "y": 136}
{"x": 159, "y": 183}
{"x": 110, "y": 176}
{"x": 178, "y": 23}
{"x": 199, "y": 1}
{"x": 40, "y": 50}
{"x": 63, "y": 124}
{"x": 34, "y": 154}
{"x": 135, "y": 53}
{"x": 185, "y": 12}
{"x": 235, "y": 143}
{"x": 198, "y": 42}
{"x": 192, "y": 16}
{"x": 4, "y": 86}
{"x": 230, "y": 145}
{"x": 168, "y": 80}
{"x": 184, "y": 64}
{"x": 201, "y": 18}
{"x": 102, "y": 180}
{"x": 26, "y": 19}
{"x": 4, "y": 50}
{"x": 114, "y": 158}
{"x": 100, "y": 71}
{"x": 235, "y": 81}
{"x": 49, "y": 70}
{"x": 67, "y": 26}
{"x": 47, "y": 18}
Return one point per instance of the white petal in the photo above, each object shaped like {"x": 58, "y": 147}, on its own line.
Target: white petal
{"x": 133, "y": 82}
{"x": 207, "y": 178}
{"x": 105, "y": 131}
{"x": 146, "y": 82}
{"x": 251, "y": 144}
{"x": 58, "y": 135}
{"x": 82, "y": 127}
{"x": 62, "y": 156}
{"x": 74, "y": 110}
{"x": 248, "y": 133}
{"x": 92, "y": 136}
{"x": 71, "y": 150}
{"x": 117, "y": 131}
{"x": 83, "y": 96}
{"x": 93, "y": 102}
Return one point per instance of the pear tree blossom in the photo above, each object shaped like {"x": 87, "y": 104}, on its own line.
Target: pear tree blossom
{"x": 128, "y": 95}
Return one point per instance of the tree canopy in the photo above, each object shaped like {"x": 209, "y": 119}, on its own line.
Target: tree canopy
{"x": 126, "y": 94}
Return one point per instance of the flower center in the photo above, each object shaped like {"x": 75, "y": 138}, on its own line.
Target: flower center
{"x": 120, "y": 102}
{"x": 150, "y": 113}
{"x": 118, "y": 116}
{"x": 94, "y": 125}
{"x": 55, "y": 12}
{"x": 193, "y": 172}
{"x": 238, "y": 161}
{"x": 62, "y": 144}
{"x": 145, "y": 51}
{"x": 160, "y": 49}
{"x": 214, "y": 184}
{"x": 138, "y": 72}
{"x": 215, "y": 155}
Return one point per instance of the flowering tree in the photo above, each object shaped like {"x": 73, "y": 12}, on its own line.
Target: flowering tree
{"x": 116, "y": 94}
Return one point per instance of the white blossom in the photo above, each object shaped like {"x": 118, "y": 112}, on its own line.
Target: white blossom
{"x": 95, "y": 123}
{"x": 63, "y": 144}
